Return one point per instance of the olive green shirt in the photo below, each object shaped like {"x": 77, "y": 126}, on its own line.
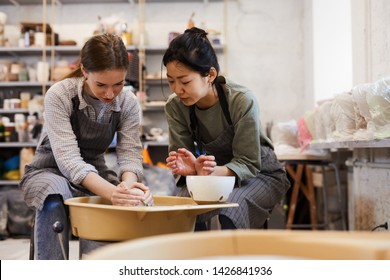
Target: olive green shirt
{"x": 244, "y": 112}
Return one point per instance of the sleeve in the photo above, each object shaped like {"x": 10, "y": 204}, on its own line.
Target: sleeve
{"x": 246, "y": 161}
{"x": 180, "y": 135}
{"x": 129, "y": 146}
{"x": 58, "y": 109}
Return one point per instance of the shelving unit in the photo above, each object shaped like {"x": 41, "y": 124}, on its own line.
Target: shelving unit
{"x": 153, "y": 110}
{"x": 65, "y": 2}
{"x": 12, "y": 89}
{"x": 155, "y": 86}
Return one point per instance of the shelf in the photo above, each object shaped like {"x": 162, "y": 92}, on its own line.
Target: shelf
{"x": 376, "y": 143}
{"x": 69, "y": 2}
{"x": 17, "y": 144}
{"x": 153, "y": 108}
{"x": 14, "y": 111}
{"x": 35, "y": 50}
{"x": 76, "y": 49}
{"x": 9, "y": 182}
{"x": 162, "y": 49}
{"x": 64, "y": 2}
{"x": 20, "y": 51}
{"x": 23, "y": 84}
{"x": 155, "y": 143}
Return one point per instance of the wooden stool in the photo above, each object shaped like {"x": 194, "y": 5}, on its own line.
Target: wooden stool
{"x": 301, "y": 171}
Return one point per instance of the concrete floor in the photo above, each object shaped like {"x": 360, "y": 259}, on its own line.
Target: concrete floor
{"x": 19, "y": 249}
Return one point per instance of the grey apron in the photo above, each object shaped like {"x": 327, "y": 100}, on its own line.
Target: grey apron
{"x": 42, "y": 176}
{"x": 256, "y": 196}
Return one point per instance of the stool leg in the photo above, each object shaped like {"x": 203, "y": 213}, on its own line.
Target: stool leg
{"x": 86, "y": 246}
{"x": 325, "y": 197}
{"x": 265, "y": 226}
{"x": 47, "y": 245}
{"x": 266, "y": 223}
{"x": 339, "y": 193}
{"x": 312, "y": 202}
{"x": 31, "y": 255}
{"x": 297, "y": 177}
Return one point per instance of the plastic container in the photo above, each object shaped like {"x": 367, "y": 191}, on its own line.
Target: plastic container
{"x": 24, "y": 99}
{"x": 96, "y": 219}
{"x": 11, "y": 164}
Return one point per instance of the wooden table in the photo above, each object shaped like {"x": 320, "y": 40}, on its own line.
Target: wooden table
{"x": 298, "y": 166}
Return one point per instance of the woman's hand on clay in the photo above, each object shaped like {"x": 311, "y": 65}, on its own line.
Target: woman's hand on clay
{"x": 148, "y": 197}
{"x": 182, "y": 162}
{"x": 205, "y": 164}
{"x": 133, "y": 195}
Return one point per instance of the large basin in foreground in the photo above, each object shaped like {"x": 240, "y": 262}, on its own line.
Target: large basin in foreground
{"x": 252, "y": 244}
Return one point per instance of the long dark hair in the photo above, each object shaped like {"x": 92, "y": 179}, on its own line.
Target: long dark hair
{"x": 194, "y": 50}
{"x": 102, "y": 52}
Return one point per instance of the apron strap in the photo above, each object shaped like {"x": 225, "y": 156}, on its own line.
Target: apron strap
{"x": 225, "y": 108}
{"x": 73, "y": 118}
{"x": 195, "y": 131}
{"x": 222, "y": 98}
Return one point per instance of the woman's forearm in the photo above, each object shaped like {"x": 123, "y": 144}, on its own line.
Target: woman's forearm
{"x": 222, "y": 171}
{"x": 129, "y": 178}
{"x": 99, "y": 186}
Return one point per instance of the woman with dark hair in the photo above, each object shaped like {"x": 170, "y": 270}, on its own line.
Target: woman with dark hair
{"x": 215, "y": 129}
{"x": 82, "y": 114}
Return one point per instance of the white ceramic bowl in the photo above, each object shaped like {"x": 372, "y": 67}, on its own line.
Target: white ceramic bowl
{"x": 210, "y": 189}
